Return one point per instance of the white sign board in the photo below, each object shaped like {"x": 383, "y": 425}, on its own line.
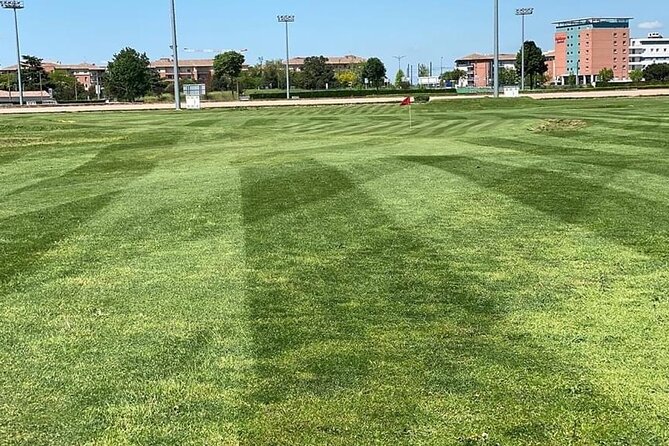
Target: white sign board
{"x": 195, "y": 89}
{"x": 511, "y": 92}
{"x": 193, "y": 102}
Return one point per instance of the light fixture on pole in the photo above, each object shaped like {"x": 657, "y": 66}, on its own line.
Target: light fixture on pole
{"x": 15, "y": 4}
{"x": 522, "y": 12}
{"x": 175, "y": 57}
{"x": 287, "y": 19}
{"x": 496, "y": 58}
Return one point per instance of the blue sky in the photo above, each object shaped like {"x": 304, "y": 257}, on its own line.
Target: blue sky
{"x": 426, "y": 31}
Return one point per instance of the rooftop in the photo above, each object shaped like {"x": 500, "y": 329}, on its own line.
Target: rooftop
{"x": 349, "y": 59}
{"x": 487, "y": 57}
{"x": 592, "y": 21}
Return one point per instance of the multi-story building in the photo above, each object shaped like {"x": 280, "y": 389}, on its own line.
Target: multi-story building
{"x": 89, "y": 75}
{"x": 583, "y": 47}
{"x": 199, "y": 70}
{"x": 338, "y": 63}
{"x": 479, "y": 68}
{"x": 651, "y": 50}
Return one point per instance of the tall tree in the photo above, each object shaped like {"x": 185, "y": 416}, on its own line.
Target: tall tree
{"x": 317, "y": 74}
{"x": 374, "y": 71}
{"x": 274, "y": 74}
{"x": 423, "y": 70}
{"x": 8, "y": 81}
{"x": 32, "y": 73}
{"x": 65, "y": 86}
{"x": 658, "y": 72}
{"x": 227, "y": 67}
{"x": 535, "y": 63}
{"x": 128, "y": 75}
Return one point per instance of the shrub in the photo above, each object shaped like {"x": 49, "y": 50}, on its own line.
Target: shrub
{"x": 421, "y": 99}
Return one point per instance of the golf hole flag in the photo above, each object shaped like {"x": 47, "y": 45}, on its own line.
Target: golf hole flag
{"x": 407, "y": 101}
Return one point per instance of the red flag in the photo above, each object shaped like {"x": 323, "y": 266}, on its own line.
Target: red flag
{"x": 406, "y": 101}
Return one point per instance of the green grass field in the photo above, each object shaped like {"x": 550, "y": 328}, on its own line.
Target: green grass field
{"x": 321, "y": 276}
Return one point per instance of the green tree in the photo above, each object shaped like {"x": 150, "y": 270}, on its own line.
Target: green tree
{"x": 347, "y": 78}
{"x": 658, "y": 72}
{"x": 251, "y": 79}
{"x": 128, "y": 75}
{"x": 274, "y": 74}
{"x": 8, "y": 81}
{"x": 423, "y": 70}
{"x": 605, "y": 75}
{"x": 454, "y": 75}
{"x": 374, "y": 71}
{"x": 535, "y": 63}
{"x": 317, "y": 74}
{"x": 65, "y": 86}
{"x": 158, "y": 85}
{"x": 508, "y": 76}
{"x": 32, "y": 73}
{"x": 636, "y": 76}
{"x": 399, "y": 78}
{"x": 227, "y": 68}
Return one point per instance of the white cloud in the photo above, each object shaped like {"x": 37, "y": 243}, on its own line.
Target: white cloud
{"x": 650, "y": 25}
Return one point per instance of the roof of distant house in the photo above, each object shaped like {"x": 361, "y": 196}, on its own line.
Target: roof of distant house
{"x": 167, "y": 62}
{"x": 333, "y": 60}
{"x": 476, "y": 57}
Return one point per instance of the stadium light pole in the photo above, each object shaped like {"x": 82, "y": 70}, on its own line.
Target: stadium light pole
{"x": 15, "y": 4}
{"x": 496, "y": 58}
{"x": 287, "y": 19}
{"x": 522, "y": 12}
{"x": 175, "y": 57}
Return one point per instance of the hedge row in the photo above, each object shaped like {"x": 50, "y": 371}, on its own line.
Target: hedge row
{"x": 256, "y": 95}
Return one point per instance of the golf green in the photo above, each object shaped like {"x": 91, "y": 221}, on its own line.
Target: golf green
{"x": 498, "y": 274}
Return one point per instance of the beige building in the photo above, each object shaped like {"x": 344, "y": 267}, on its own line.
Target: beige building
{"x": 338, "y": 63}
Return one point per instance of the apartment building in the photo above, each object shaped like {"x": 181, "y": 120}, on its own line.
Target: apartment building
{"x": 479, "y": 68}
{"x": 89, "y": 75}
{"x": 198, "y": 70}
{"x": 583, "y": 47}
{"x": 338, "y": 63}
{"x": 648, "y": 51}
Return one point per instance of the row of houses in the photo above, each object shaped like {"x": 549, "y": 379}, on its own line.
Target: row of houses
{"x": 583, "y": 47}
{"x": 199, "y": 70}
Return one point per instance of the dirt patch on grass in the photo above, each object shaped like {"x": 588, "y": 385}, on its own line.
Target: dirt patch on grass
{"x": 559, "y": 125}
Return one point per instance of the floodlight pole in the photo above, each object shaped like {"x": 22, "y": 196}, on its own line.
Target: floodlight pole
{"x": 15, "y": 4}
{"x": 496, "y": 58}
{"x": 175, "y": 56}
{"x": 522, "y": 12}
{"x": 287, "y": 19}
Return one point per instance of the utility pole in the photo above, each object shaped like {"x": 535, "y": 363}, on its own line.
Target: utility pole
{"x": 175, "y": 56}
{"x": 496, "y": 58}
{"x": 522, "y": 12}
{"x": 15, "y": 4}
{"x": 287, "y": 19}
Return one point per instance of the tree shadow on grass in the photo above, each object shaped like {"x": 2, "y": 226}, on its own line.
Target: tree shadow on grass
{"x": 360, "y": 328}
